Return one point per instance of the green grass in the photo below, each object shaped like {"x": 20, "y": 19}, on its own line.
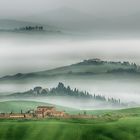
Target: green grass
{"x": 107, "y": 126}
{"x": 17, "y": 106}
{"x": 123, "y": 129}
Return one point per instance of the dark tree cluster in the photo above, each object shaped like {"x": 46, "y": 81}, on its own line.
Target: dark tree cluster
{"x": 114, "y": 101}
{"x": 62, "y": 90}
{"x": 99, "y": 97}
{"x": 31, "y": 28}
{"x": 97, "y": 61}
{"x": 67, "y": 91}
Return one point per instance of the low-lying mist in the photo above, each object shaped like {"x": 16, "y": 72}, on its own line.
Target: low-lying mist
{"x": 29, "y": 53}
{"x": 70, "y": 102}
{"x": 120, "y": 87}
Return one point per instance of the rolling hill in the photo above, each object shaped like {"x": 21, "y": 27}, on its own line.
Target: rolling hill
{"x": 87, "y": 67}
{"x": 111, "y": 79}
{"x": 18, "y": 105}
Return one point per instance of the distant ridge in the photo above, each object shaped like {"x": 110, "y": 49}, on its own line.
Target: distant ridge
{"x": 86, "y": 67}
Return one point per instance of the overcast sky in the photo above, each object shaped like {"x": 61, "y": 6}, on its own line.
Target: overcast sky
{"x": 100, "y": 7}
{"x": 76, "y": 14}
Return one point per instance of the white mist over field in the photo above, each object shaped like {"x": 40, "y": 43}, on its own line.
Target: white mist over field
{"x": 35, "y": 54}
{"x": 30, "y": 54}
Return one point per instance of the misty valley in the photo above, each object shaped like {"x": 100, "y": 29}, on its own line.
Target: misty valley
{"x": 91, "y": 84}
{"x": 69, "y": 70}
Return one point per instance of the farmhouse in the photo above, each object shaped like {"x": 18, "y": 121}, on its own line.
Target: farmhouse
{"x": 48, "y": 111}
{"x": 44, "y": 112}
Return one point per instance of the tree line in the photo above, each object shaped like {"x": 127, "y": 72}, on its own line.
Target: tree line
{"x": 62, "y": 90}
{"x": 31, "y": 28}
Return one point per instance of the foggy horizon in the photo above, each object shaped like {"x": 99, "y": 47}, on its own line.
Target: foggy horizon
{"x": 100, "y": 16}
{"x": 25, "y": 56}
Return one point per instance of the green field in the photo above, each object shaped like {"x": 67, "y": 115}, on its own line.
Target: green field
{"x": 123, "y": 129}
{"x": 109, "y": 125}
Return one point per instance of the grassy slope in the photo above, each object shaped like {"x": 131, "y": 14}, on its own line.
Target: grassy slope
{"x": 73, "y": 69}
{"x": 97, "y": 129}
{"x": 124, "y": 129}
{"x": 17, "y": 106}
{"x": 93, "y": 68}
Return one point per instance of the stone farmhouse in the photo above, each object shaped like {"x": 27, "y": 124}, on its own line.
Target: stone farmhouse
{"x": 40, "y": 112}
{"x": 43, "y": 112}
{"x": 48, "y": 111}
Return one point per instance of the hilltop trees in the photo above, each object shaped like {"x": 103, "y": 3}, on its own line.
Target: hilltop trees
{"x": 67, "y": 91}
{"x": 31, "y": 28}
{"x": 62, "y": 90}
